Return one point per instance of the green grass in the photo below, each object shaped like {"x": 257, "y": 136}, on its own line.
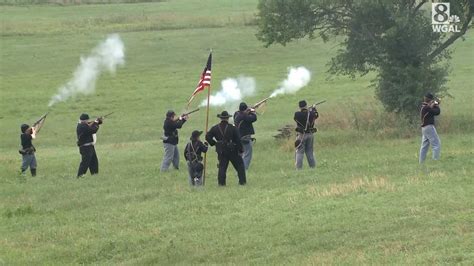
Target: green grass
{"x": 367, "y": 202}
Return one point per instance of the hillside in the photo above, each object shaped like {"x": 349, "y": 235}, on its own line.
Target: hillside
{"x": 368, "y": 201}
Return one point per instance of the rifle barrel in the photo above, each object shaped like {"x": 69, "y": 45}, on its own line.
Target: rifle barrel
{"x": 193, "y": 111}
{"x": 260, "y": 103}
{"x": 40, "y": 119}
{"x": 318, "y": 103}
{"x": 104, "y": 116}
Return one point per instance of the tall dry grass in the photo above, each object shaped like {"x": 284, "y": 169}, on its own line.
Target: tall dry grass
{"x": 370, "y": 120}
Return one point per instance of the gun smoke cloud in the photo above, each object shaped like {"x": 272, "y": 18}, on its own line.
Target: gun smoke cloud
{"x": 297, "y": 78}
{"x": 105, "y": 57}
{"x": 233, "y": 90}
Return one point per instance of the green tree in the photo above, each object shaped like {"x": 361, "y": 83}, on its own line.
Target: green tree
{"x": 395, "y": 38}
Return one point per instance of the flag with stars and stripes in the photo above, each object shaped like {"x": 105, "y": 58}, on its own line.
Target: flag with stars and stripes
{"x": 204, "y": 81}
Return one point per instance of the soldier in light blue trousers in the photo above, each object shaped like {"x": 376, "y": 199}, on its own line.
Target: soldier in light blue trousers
{"x": 429, "y": 109}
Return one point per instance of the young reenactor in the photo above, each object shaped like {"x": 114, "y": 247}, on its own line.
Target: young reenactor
{"x": 429, "y": 109}
{"x": 28, "y": 134}
{"x": 170, "y": 139}
{"x": 305, "y": 128}
{"x": 192, "y": 154}
{"x": 226, "y": 138}
{"x": 243, "y": 120}
{"x": 86, "y": 136}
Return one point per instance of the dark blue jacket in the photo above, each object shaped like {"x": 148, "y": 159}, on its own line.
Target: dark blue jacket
{"x": 302, "y": 118}
{"x": 193, "y": 150}
{"x": 244, "y": 122}
{"x": 427, "y": 114}
{"x": 171, "y": 130}
{"x": 85, "y": 131}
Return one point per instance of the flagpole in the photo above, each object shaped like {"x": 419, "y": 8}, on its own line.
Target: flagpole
{"x": 207, "y": 128}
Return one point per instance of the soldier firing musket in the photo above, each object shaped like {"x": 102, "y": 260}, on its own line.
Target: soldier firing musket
{"x": 243, "y": 120}
{"x": 27, "y": 150}
{"x": 305, "y": 128}
{"x": 86, "y": 138}
{"x": 170, "y": 138}
{"x": 429, "y": 110}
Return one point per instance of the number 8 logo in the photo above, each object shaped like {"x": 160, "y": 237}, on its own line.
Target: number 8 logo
{"x": 440, "y": 13}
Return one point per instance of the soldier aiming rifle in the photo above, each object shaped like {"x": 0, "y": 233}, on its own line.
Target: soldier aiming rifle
{"x": 86, "y": 138}
{"x": 27, "y": 151}
{"x": 429, "y": 109}
{"x": 305, "y": 128}
{"x": 170, "y": 138}
{"x": 243, "y": 120}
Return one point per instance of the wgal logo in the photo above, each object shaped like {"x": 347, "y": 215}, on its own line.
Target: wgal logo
{"x": 441, "y": 19}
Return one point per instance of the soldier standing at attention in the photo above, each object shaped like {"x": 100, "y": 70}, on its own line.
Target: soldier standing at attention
{"x": 86, "y": 131}
{"x": 305, "y": 122}
{"x": 429, "y": 109}
{"x": 170, "y": 140}
{"x": 243, "y": 120}
{"x": 226, "y": 138}
{"x": 27, "y": 149}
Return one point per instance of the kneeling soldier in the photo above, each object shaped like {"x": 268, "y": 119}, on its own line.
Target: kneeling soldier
{"x": 305, "y": 121}
{"x": 226, "y": 138}
{"x": 86, "y": 131}
{"x": 192, "y": 154}
{"x": 28, "y": 150}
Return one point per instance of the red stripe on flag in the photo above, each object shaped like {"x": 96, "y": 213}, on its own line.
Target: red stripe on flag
{"x": 205, "y": 79}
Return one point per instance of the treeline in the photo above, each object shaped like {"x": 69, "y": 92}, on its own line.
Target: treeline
{"x": 72, "y": 2}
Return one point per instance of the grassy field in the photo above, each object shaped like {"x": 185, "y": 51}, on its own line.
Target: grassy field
{"x": 368, "y": 202}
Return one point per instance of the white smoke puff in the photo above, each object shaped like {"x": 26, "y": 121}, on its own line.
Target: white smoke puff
{"x": 297, "y": 78}
{"x": 232, "y": 92}
{"x": 106, "y": 56}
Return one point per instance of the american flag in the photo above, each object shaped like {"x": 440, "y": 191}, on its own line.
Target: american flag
{"x": 205, "y": 80}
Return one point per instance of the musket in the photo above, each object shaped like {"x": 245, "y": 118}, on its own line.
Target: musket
{"x": 193, "y": 111}
{"x": 186, "y": 114}
{"x": 105, "y": 116}
{"x": 318, "y": 103}
{"x": 255, "y": 106}
{"x": 41, "y": 119}
{"x": 100, "y": 117}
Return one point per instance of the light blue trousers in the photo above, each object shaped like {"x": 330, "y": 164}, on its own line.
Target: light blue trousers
{"x": 29, "y": 160}
{"x": 247, "y": 155}
{"x": 171, "y": 156}
{"x": 306, "y": 147}
{"x": 429, "y": 137}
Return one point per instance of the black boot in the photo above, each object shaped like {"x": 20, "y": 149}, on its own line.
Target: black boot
{"x": 33, "y": 172}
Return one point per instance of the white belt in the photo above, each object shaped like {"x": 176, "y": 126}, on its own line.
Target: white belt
{"x": 88, "y": 144}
